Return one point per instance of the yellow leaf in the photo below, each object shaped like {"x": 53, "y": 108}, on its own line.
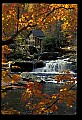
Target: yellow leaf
{"x": 15, "y": 67}
{"x": 7, "y": 79}
{"x": 61, "y": 90}
{"x": 12, "y": 81}
{"x": 54, "y": 96}
{"x": 30, "y": 21}
{"x": 3, "y": 73}
{"x": 3, "y": 94}
{"x": 32, "y": 15}
{"x": 20, "y": 20}
{"x": 66, "y": 6}
{"x": 41, "y": 103}
{"x": 27, "y": 16}
{"x": 54, "y": 18}
{"x": 42, "y": 108}
{"x": 2, "y": 18}
{"x": 70, "y": 105}
{"x": 65, "y": 89}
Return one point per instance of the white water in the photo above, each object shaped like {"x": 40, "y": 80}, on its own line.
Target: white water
{"x": 54, "y": 66}
{"x": 51, "y": 68}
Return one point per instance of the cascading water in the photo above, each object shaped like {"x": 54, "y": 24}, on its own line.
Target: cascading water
{"x": 52, "y": 68}
{"x": 55, "y": 66}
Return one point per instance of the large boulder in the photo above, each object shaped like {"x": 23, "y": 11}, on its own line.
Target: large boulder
{"x": 23, "y": 66}
{"x": 39, "y": 64}
{"x": 26, "y": 66}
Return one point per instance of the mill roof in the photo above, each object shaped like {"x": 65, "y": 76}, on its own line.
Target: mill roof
{"x": 37, "y": 33}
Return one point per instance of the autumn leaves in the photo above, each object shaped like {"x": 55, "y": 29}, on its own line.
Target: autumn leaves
{"x": 37, "y": 15}
{"x": 41, "y": 103}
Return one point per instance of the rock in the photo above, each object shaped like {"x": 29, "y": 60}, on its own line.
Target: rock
{"x": 28, "y": 58}
{"x": 26, "y": 66}
{"x": 74, "y": 67}
{"x": 49, "y": 55}
{"x": 28, "y": 76}
{"x": 23, "y": 66}
{"x": 35, "y": 56}
{"x": 39, "y": 64}
{"x": 22, "y": 83}
{"x": 42, "y": 81}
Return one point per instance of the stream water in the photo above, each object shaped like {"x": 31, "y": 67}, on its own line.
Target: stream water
{"x": 55, "y": 66}
{"x": 52, "y": 68}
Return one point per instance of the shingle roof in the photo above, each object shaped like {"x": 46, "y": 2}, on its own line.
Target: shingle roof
{"x": 38, "y": 33}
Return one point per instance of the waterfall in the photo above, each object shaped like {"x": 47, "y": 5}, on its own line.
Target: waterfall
{"x": 54, "y": 66}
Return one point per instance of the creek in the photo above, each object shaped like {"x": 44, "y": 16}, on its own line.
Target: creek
{"x": 52, "y": 68}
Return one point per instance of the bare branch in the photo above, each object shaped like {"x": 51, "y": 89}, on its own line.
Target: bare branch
{"x": 59, "y": 98}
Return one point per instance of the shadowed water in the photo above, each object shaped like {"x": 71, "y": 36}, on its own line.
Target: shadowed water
{"x": 13, "y": 97}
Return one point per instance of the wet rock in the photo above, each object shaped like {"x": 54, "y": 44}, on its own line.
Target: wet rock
{"x": 26, "y": 76}
{"x": 39, "y": 64}
{"x": 26, "y": 66}
{"x": 74, "y": 67}
{"x": 22, "y": 66}
{"x": 42, "y": 81}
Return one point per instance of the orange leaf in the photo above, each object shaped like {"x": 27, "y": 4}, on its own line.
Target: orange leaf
{"x": 54, "y": 96}
{"x": 16, "y": 77}
{"x": 3, "y": 73}
{"x": 55, "y": 107}
{"x": 7, "y": 79}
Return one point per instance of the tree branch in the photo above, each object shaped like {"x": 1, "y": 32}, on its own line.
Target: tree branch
{"x": 59, "y": 98}
{"x": 72, "y": 87}
{"x": 4, "y": 33}
{"x": 10, "y": 40}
